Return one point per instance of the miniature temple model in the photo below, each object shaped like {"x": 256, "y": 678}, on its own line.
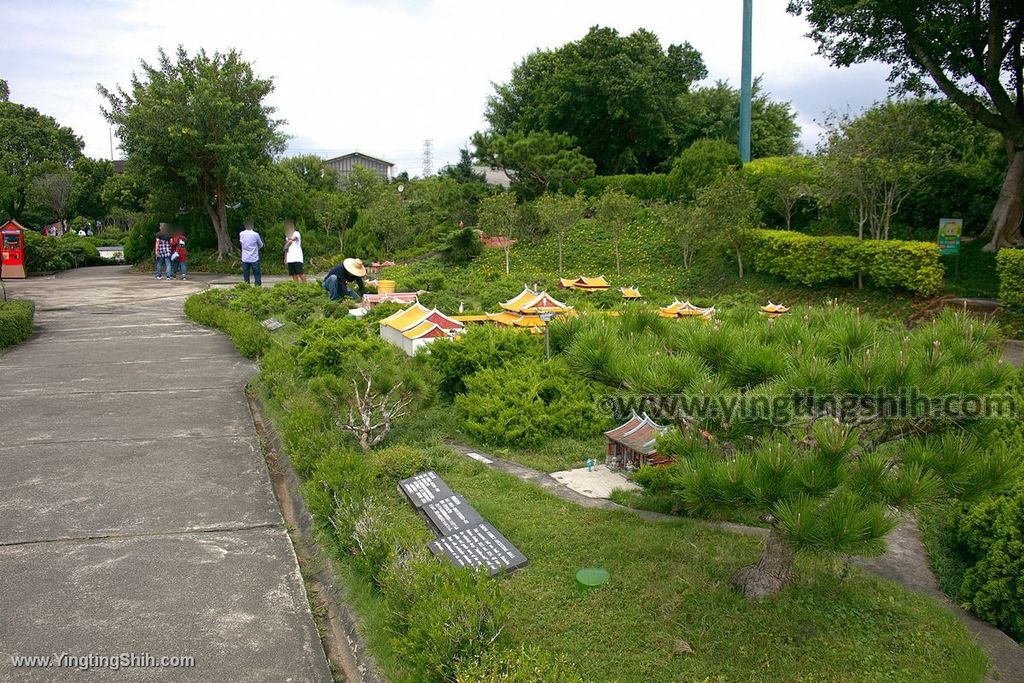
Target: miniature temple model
{"x": 585, "y": 284}
{"x": 684, "y": 309}
{"x": 632, "y": 445}
{"x": 774, "y": 310}
{"x": 631, "y": 293}
{"x": 417, "y": 326}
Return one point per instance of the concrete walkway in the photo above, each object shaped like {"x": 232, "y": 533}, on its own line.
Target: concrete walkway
{"x": 136, "y": 512}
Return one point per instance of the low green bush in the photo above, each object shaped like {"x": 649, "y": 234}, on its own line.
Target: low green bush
{"x": 444, "y": 618}
{"x": 649, "y": 187}
{"x": 990, "y": 537}
{"x": 46, "y": 254}
{"x": 249, "y": 336}
{"x": 808, "y": 260}
{"x": 1010, "y": 267}
{"x": 524, "y": 665}
{"x": 15, "y": 321}
{"x": 526, "y": 403}
{"x": 482, "y": 346}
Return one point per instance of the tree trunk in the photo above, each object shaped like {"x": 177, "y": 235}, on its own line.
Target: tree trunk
{"x": 1005, "y": 223}
{"x": 507, "y": 249}
{"x": 219, "y": 217}
{"x": 618, "y": 270}
{"x": 772, "y": 573}
{"x": 341, "y": 240}
{"x": 560, "y": 239}
{"x": 739, "y": 262}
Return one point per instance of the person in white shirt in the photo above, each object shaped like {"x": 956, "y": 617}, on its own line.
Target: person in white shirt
{"x": 293, "y": 251}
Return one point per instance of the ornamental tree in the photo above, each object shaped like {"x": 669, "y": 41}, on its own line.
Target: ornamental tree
{"x": 558, "y": 214}
{"x": 615, "y": 210}
{"x": 536, "y": 162}
{"x": 197, "y": 127}
{"x": 499, "y": 216}
{"x": 969, "y": 50}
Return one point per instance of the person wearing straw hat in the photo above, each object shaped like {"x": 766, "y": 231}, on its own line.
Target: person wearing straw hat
{"x": 338, "y": 278}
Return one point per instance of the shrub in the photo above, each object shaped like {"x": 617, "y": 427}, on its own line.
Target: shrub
{"x": 812, "y": 261}
{"x": 44, "y": 254}
{"x": 482, "y": 346}
{"x": 700, "y": 165}
{"x": 444, "y": 618}
{"x": 15, "y": 322}
{"x": 335, "y": 346}
{"x": 1010, "y": 266}
{"x": 248, "y": 335}
{"x": 991, "y": 540}
{"x": 525, "y": 403}
{"x": 524, "y": 665}
{"x": 398, "y": 462}
{"x": 650, "y": 187}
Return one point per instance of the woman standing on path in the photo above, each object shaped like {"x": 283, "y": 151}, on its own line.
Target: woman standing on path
{"x": 293, "y": 251}
{"x": 179, "y": 254}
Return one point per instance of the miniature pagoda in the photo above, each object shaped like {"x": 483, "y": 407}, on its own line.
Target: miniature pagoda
{"x": 522, "y": 311}
{"x": 416, "y": 326}
{"x": 403, "y": 298}
{"x": 630, "y": 293}
{"x": 632, "y": 444}
{"x": 684, "y": 309}
{"x": 585, "y": 284}
{"x": 774, "y": 310}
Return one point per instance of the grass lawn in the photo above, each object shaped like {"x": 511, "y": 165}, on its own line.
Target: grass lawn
{"x": 670, "y": 582}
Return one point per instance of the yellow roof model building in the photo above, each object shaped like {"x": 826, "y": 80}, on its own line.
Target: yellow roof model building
{"x": 774, "y": 310}
{"x": 417, "y": 325}
{"x": 529, "y": 301}
{"x": 630, "y": 293}
{"x": 592, "y": 284}
{"x": 684, "y": 309}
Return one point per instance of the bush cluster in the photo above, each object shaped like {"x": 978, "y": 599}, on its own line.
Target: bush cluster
{"x": 525, "y": 665}
{"x": 1010, "y": 266}
{"x": 482, "y": 347}
{"x": 990, "y": 538}
{"x": 15, "y": 322}
{"x": 649, "y": 187}
{"x": 807, "y": 260}
{"x": 209, "y": 308}
{"x": 47, "y": 254}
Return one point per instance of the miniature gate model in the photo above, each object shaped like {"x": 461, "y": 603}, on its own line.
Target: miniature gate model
{"x": 631, "y": 445}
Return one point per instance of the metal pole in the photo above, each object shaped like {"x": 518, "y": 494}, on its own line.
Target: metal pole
{"x": 745, "y": 84}
{"x": 547, "y": 339}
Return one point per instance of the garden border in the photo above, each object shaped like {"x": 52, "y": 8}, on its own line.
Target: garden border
{"x": 336, "y": 620}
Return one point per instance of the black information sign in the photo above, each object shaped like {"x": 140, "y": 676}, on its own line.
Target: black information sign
{"x": 424, "y": 488}
{"x": 452, "y": 514}
{"x": 479, "y": 546}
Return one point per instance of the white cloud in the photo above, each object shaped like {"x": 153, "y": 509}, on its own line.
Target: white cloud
{"x": 383, "y": 76}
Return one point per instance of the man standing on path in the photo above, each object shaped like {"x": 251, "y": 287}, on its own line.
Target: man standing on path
{"x": 293, "y": 256}
{"x": 251, "y": 243}
{"x": 163, "y": 251}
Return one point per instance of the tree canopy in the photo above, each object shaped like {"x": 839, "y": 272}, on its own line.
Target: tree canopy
{"x": 537, "y": 162}
{"x": 970, "y": 50}
{"x": 197, "y": 127}
{"x": 612, "y": 93}
{"x": 31, "y": 144}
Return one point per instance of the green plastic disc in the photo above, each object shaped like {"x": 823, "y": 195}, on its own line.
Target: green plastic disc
{"x": 592, "y": 577}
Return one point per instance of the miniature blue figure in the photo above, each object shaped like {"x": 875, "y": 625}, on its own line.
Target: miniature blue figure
{"x": 590, "y": 464}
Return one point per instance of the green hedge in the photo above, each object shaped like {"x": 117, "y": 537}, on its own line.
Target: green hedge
{"x": 210, "y": 308}
{"x": 47, "y": 254}
{"x": 644, "y": 187}
{"x": 1010, "y": 266}
{"x": 808, "y": 260}
{"x": 15, "y": 322}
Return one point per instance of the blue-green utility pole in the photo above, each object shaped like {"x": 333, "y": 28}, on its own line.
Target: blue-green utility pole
{"x": 745, "y": 84}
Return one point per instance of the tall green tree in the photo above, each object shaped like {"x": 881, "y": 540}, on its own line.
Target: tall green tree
{"x": 970, "y": 50}
{"x": 713, "y": 112}
{"x": 90, "y": 177}
{"x": 5, "y": 91}
{"x": 315, "y": 174}
{"x": 782, "y": 183}
{"x": 49, "y": 195}
{"x": 701, "y": 164}
{"x": 612, "y": 93}
{"x": 558, "y": 214}
{"x": 31, "y": 144}
{"x": 724, "y": 212}
{"x": 616, "y": 210}
{"x": 536, "y": 162}
{"x": 499, "y": 215}
{"x": 197, "y": 126}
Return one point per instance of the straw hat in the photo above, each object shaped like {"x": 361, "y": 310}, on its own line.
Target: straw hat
{"x": 355, "y": 266}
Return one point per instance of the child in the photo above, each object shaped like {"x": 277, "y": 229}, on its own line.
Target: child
{"x": 179, "y": 254}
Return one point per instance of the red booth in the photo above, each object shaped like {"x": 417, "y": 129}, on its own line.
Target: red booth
{"x": 13, "y": 250}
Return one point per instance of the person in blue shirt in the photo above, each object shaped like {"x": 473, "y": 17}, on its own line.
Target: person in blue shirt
{"x": 338, "y": 278}
{"x": 251, "y": 243}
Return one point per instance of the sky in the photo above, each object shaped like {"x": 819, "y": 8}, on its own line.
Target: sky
{"x": 381, "y": 77}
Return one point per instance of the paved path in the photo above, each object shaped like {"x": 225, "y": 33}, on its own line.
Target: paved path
{"x": 136, "y": 512}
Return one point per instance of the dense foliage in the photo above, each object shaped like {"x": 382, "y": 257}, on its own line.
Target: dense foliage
{"x": 480, "y": 348}
{"x": 48, "y": 254}
{"x": 809, "y": 260}
{"x": 15, "y": 321}
{"x": 1010, "y": 265}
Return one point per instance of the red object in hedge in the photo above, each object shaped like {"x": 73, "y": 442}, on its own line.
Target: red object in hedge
{"x": 13, "y": 251}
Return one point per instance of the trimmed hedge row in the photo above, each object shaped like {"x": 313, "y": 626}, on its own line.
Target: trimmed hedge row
{"x": 15, "y": 322}
{"x": 1010, "y": 266}
{"x": 809, "y": 260}
{"x": 210, "y": 309}
{"x": 649, "y": 187}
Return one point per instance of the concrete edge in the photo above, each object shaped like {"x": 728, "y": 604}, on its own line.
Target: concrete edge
{"x": 336, "y": 621}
